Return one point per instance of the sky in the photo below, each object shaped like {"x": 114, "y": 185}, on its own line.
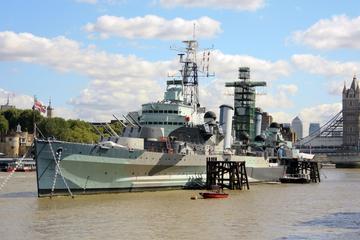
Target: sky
{"x": 96, "y": 58}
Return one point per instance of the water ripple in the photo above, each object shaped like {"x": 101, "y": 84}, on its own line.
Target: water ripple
{"x": 346, "y": 220}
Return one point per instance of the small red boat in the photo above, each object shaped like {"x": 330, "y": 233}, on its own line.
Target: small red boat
{"x": 213, "y": 195}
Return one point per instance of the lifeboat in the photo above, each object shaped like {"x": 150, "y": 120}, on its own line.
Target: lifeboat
{"x": 213, "y": 195}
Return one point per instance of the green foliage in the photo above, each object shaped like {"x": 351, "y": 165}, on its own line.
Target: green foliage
{"x": 66, "y": 130}
{"x": 12, "y": 116}
{"x": 54, "y": 127}
{"x": 4, "y": 124}
{"x": 26, "y": 119}
{"x": 81, "y": 130}
{"x": 117, "y": 127}
{"x": 23, "y": 117}
{"x": 70, "y": 130}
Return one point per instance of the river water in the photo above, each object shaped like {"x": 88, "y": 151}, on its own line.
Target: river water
{"x": 329, "y": 210}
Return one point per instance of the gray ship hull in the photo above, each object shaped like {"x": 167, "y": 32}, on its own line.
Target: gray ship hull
{"x": 90, "y": 168}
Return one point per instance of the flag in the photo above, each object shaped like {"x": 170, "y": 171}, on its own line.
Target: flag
{"x": 39, "y": 106}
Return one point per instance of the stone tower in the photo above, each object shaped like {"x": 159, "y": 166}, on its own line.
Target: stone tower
{"x": 351, "y": 115}
{"x": 49, "y": 110}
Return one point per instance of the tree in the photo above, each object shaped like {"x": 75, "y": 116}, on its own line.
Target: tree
{"x": 4, "y": 125}
{"x": 54, "y": 127}
{"x": 26, "y": 119}
{"x": 12, "y": 116}
{"x": 81, "y": 131}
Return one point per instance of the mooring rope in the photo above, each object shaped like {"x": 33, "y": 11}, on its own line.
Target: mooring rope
{"x": 18, "y": 163}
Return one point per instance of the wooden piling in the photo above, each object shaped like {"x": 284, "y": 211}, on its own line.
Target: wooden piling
{"x": 226, "y": 174}
{"x": 294, "y": 166}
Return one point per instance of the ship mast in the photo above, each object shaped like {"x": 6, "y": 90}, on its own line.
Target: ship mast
{"x": 189, "y": 73}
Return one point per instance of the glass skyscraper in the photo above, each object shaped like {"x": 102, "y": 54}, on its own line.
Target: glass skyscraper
{"x": 297, "y": 127}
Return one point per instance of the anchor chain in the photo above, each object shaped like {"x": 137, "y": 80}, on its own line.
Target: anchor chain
{"x": 57, "y": 171}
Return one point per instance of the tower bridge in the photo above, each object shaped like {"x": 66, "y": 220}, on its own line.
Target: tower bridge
{"x": 328, "y": 139}
{"x": 338, "y": 140}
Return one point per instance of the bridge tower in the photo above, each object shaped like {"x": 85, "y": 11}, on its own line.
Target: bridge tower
{"x": 351, "y": 115}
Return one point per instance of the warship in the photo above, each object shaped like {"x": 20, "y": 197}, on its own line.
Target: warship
{"x": 166, "y": 145}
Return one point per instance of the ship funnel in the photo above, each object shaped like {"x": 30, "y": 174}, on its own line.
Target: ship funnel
{"x": 258, "y": 121}
{"x": 226, "y": 116}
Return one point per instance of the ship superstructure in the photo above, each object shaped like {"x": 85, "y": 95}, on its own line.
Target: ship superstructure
{"x": 246, "y": 117}
{"x": 180, "y": 105}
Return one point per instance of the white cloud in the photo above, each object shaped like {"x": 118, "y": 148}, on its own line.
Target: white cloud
{"x": 20, "y": 101}
{"x": 319, "y": 65}
{"x": 67, "y": 113}
{"x": 334, "y": 33}
{"x": 119, "y": 83}
{"x": 122, "y": 83}
{"x": 281, "y": 100}
{"x": 151, "y": 26}
{"x": 241, "y": 5}
{"x": 281, "y": 117}
{"x": 321, "y": 113}
{"x": 289, "y": 88}
{"x": 336, "y": 72}
{"x": 226, "y": 68}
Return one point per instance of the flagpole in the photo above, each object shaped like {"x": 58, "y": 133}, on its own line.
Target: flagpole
{"x": 34, "y": 124}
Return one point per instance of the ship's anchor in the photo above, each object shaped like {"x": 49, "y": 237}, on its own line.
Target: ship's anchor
{"x": 57, "y": 158}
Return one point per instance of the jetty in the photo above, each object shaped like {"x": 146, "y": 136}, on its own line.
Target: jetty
{"x": 300, "y": 171}
{"x": 226, "y": 174}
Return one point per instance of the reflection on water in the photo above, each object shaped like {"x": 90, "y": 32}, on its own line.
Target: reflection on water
{"x": 18, "y": 195}
{"x": 328, "y": 210}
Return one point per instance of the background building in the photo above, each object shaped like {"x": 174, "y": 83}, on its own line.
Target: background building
{"x": 16, "y": 144}
{"x": 266, "y": 121}
{"x": 49, "y": 110}
{"x": 314, "y": 127}
{"x": 7, "y": 105}
{"x": 297, "y": 127}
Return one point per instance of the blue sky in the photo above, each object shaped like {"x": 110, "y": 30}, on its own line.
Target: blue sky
{"x": 99, "y": 57}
